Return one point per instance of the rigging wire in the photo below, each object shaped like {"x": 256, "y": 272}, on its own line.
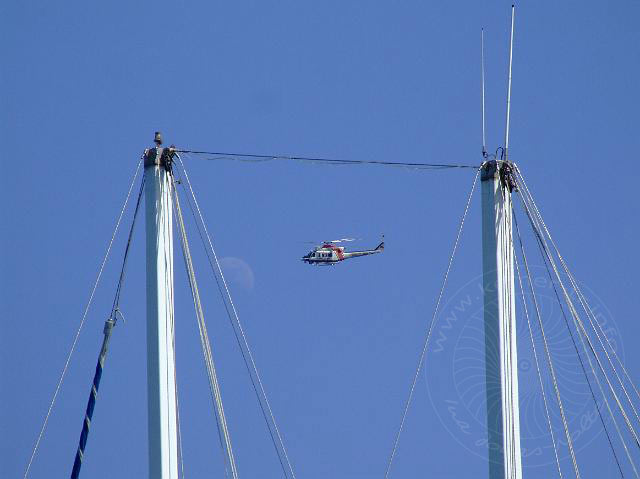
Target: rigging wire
{"x": 615, "y": 422}
{"x": 584, "y": 371}
{"x": 232, "y": 314}
{"x": 107, "y": 331}
{"x": 535, "y": 356}
{"x": 203, "y": 343}
{"x": 508, "y": 340}
{"x": 115, "y": 309}
{"x": 587, "y": 309}
{"x": 589, "y": 313}
{"x": 250, "y": 157}
{"x": 537, "y": 221}
{"x": 178, "y": 181}
{"x": 613, "y": 350}
{"x": 223, "y": 431}
{"x": 550, "y": 364}
{"x": 430, "y": 328}
{"x": 579, "y": 323}
{"x": 204, "y": 347}
{"x": 595, "y": 375}
{"x": 592, "y": 321}
{"x": 172, "y": 335}
{"x": 82, "y": 321}
{"x": 544, "y": 253}
{"x": 180, "y": 450}
{"x": 164, "y": 217}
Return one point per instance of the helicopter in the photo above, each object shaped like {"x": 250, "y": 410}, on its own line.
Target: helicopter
{"x": 328, "y": 254}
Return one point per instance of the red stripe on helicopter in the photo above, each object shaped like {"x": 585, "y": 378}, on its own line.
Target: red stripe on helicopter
{"x": 338, "y": 252}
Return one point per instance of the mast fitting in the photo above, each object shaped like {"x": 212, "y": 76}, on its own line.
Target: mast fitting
{"x": 504, "y": 169}
{"x": 158, "y": 155}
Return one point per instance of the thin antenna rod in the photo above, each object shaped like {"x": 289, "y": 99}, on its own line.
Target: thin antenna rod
{"x": 484, "y": 137}
{"x": 506, "y": 136}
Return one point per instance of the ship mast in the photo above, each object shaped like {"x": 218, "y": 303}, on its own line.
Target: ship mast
{"x": 161, "y": 386}
{"x": 501, "y": 358}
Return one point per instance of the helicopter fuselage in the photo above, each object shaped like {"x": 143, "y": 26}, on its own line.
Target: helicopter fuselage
{"x": 328, "y": 254}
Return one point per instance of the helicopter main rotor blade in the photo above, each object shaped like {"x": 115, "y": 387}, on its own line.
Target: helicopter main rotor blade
{"x": 342, "y": 240}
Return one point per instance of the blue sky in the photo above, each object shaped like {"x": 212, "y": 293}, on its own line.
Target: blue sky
{"x": 84, "y": 86}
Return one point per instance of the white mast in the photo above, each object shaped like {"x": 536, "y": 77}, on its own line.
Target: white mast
{"x": 501, "y": 357}
{"x": 161, "y": 387}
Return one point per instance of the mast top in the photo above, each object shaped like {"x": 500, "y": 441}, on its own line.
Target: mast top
{"x": 159, "y": 156}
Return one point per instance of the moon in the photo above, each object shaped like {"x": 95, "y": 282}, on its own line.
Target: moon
{"x": 237, "y": 272}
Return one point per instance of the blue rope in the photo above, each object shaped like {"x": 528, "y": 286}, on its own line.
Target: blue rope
{"x": 108, "y": 329}
{"x": 77, "y": 464}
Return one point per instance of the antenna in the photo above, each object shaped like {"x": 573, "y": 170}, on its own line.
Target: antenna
{"x": 484, "y": 137}
{"x": 506, "y": 136}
